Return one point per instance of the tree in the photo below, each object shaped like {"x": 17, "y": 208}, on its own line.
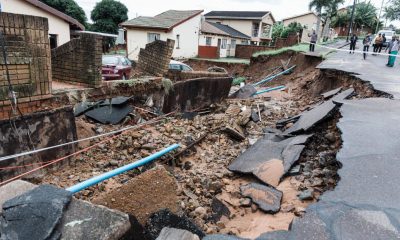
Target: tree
{"x": 106, "y": 16}
{"x": 331, "y": 11}
{"x": 277, "y": 30}
{"x": 69, "y": 7}
{"x": 318, "y": 5}
{"x": 392, "y": 11}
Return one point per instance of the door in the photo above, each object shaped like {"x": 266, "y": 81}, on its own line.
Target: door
{"x": 219, "y": 48}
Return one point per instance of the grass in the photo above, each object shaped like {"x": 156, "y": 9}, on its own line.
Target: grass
{"x": 225, "y": 60}
{"x": 238, "y": 80}
{"x": 296, "y": 48}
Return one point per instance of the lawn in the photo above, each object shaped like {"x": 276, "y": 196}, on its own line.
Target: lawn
{"x": 297, "y": 48}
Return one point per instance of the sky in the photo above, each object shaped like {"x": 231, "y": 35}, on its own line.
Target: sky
{"x": 279, "y": 8}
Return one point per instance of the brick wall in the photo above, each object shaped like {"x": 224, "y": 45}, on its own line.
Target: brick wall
{"x": 28, "y": 55}
{"x": 180, "y": 76}
{"x": 208, "y": 52}
{"x": 78, "y": 61}
{"x": 246, "y": 51}
{"x": 155, "y": 58}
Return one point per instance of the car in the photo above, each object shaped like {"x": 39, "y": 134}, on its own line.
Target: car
{"x": 388, "y": 34}
{"x": 115, "y": 67}
{"x": 179, "y": 66}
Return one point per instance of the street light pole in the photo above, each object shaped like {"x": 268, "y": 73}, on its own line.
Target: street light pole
{"x": 379, "y": 18}
{"x": 351, "y": 21}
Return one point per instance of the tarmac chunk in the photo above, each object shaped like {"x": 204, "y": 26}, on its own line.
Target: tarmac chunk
{"x": 176, "y": 234}
{"x": 331, "y": 93}
{"x": 109, "y": 114}
{"x": 34, "y": 214}
{"x": 244, "y": 92}
{"x": 267, "y": 198}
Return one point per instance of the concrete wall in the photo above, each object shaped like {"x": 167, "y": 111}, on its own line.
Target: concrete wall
{"x": 28, "y": 51}
{"x": 155, "y": 58}
{"x": 45, "y": 129}
{"x": 188, "y": 39}
{"x": 56, "y": 25}
{"x": 78, "y": 61}
{"x": 196, "y": 93}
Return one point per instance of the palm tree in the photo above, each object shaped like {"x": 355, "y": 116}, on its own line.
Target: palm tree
{"x": 318, "y": 5}
{"x": 331, "y": 11}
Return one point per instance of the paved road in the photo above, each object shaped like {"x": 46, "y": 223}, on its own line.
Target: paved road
{"x": 372, "y": 70}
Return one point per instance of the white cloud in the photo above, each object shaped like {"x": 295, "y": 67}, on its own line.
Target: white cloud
{"x": 279, "y": 8}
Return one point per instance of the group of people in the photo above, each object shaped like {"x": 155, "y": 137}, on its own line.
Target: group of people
{"x": 392, "y": 48}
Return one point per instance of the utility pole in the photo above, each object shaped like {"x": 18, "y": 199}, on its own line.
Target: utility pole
{"x": 379, "y": 18}
{"x": 351, "y": 21}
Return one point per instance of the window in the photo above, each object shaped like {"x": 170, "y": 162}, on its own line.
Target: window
{"x": 177, "y": 40}
{"x": 233, "y": 43}
{"x": 175, "y": 67}
{"x": 224, "y": 42}
{"x": 53, "y": 40}
{"x": 208, "y": 41}
{"x": 255, "y": 29}
{"x": 151, "y": 37}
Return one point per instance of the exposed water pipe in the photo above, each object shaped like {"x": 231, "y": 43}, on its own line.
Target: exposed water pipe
{"x": 268, "y": 79}
{"x": 269, "y": 90}
{"x": 95, "y": 180}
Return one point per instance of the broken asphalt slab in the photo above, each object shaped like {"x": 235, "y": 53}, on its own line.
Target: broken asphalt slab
{"x": 270, "y": 157}
{"x": 109, "y": 114}
{"x": 244, "y": 92}
{"x": 34, "y": 214}
{"x": 81, "y": 220}
{"x": 176, "y": 234}
{"x": 267, "y": 198}
{"x": 165, "y": 218}
{"x": 311, "y": 118}
{"x": 331, "y": 93}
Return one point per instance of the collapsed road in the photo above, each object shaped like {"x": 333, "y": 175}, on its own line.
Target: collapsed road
{"x": 227, "y": 185}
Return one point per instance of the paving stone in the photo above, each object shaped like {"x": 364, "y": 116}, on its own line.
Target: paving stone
{"x": 277, "y": 235}
{"x": 34, "y": 214}
{"x": 270, "y": 157}
{"x": 109, "y": 114}
{"x": 331, "y": 93}
{"x": 244, "y": 92}
{"x": 165, "y": 218}
{"x": 176, "y": 234}
{"x": 267, "y": 198}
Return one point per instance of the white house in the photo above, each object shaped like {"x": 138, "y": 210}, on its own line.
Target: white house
{"x": 308, "y": 20}
{"x": 181, "y": 26}
{"x": 219, "y": 40}
{"x": 60, "y": 24}
{"x": 258, "y": 25}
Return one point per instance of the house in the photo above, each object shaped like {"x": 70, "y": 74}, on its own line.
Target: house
{"x": 343, "y": 28}
{"x": 257, "y": 25}
{"x": 218, "y": 40}
{"x": 181, "y": 26}
{"x": 308, "y": 21}
{"x": 60, "y": 24}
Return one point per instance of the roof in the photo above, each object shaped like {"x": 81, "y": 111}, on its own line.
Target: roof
{"x": 300, "y": 15}
{"x": 221, "y": 29}
{"x": 236, "y": 14}
{"x": 55, "y": 12}
{"x": 164, "y": 21}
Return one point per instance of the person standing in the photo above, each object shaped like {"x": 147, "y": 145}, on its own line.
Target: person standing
{"x": 313, "y": 40}
{"x": 366, "y": 42}
{"x": 353, "y": 42}
{"x": 383, "y": 42}
{"x": 394, "y": 47}
{"x": 378, "y": 43}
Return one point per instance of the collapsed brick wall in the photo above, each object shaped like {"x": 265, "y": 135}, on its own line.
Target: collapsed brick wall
{"x": 28, "y": 55}
{"x": 155, "y": 58}
{"x": 78, "y": 61}
{"x": 197, "y": 93}
{"x": 180, "y": 76}
{"x": 45, "y": 129}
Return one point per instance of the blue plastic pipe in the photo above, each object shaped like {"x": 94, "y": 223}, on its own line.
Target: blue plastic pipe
{"x": 268, "y": 79}
{"x": 268, "y": 90}
{"x": 95, "y": 180}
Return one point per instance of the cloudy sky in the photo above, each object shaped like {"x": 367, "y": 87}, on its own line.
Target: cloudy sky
{"x": 279, "y": 8}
